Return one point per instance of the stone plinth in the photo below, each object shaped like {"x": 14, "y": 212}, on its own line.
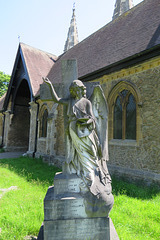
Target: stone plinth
{"x": 65, "y": 215}
{"x": 78, "y": 229}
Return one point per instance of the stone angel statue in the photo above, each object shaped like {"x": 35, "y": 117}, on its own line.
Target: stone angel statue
{"x": 87, "y": 144}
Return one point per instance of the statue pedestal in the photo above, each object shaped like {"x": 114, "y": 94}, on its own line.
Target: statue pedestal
{"x": 65, "y": 216}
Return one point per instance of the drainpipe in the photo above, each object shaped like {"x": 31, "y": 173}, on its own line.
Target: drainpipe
{"x": 3, "y": 130}
{"x": 36, "y": 133}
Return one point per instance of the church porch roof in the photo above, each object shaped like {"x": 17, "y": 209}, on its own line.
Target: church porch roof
{"x": 38, "y": 64}
{"x": 31, "y": 64}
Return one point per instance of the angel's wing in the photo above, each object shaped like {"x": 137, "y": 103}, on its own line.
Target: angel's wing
{"x": 100, "y": 111}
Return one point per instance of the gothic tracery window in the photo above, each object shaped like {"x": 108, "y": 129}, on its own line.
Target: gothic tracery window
{"x": 124, "y": 112}
{"x": 125, "y": 116}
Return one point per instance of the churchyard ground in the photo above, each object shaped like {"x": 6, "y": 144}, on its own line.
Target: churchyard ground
{"x": 135, "y": 214}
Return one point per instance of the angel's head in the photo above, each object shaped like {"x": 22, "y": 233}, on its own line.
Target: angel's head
{"x": 77, "y": 89}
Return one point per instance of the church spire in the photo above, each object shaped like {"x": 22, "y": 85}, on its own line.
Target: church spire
{"x": 122, "y": 6}
{"x": 72, "y": 37}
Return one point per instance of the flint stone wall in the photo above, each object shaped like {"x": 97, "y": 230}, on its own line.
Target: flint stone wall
{"x": 142, "y": 155}
{"x": 135, "y": 159}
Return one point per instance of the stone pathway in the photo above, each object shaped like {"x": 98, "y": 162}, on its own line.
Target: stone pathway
{"x": 11, "y": 155}
{"x": 4, "y": 190}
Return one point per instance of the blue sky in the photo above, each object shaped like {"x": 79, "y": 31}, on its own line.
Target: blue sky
{"x": 44, "y": 24}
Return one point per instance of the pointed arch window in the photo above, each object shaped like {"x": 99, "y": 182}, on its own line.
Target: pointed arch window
{"x": 43, "y": 123}
{"x": 124, "y": 120}
{"x": 125, "y": 116}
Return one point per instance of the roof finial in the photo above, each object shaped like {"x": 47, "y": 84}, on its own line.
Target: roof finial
{"x": 74, "y": 8}
{"x": 74, "y": 5}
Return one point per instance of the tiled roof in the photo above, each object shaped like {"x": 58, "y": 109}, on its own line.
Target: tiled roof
{"x": 131, "y": 33}
{"x": 38, "y": 65}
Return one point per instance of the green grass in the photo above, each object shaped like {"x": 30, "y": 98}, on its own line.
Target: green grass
{"x": 135, "y": 214}
{"x": 21, "y": 210}
{"x": 136, "y": 211}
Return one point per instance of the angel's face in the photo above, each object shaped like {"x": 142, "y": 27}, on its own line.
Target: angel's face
{"x": 77, "y": 91}
{"x": 73, "y": 91}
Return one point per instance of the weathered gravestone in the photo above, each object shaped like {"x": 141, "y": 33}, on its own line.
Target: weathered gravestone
{"x": 78, "y": 205}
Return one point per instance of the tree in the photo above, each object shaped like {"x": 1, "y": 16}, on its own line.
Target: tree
{"x": 4, "y": 82}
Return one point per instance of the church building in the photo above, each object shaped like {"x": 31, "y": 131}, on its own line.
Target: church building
{"x": 124, "y": 57}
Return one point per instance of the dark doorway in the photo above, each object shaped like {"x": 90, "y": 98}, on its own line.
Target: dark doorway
{"x": 20, "y": 123}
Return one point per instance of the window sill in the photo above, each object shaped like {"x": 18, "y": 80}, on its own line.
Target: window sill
{"x": 126, "y": 142}
{"x": 42, "y": 138}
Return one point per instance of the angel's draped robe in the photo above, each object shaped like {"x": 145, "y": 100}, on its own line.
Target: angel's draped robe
{"x": 84, "y": 153}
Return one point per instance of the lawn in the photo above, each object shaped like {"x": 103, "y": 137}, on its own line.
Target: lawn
{"x": 136, "y": 211}
{"x": 135, "y": 214}
{"x": 21, "y": 210}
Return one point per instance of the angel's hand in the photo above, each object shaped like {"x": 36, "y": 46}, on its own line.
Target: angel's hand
{"x": 90, "y": 121}
{"x": 46, "y": 80}
{"x": 55, "y": 98}
{"x": 83, "y": 121}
